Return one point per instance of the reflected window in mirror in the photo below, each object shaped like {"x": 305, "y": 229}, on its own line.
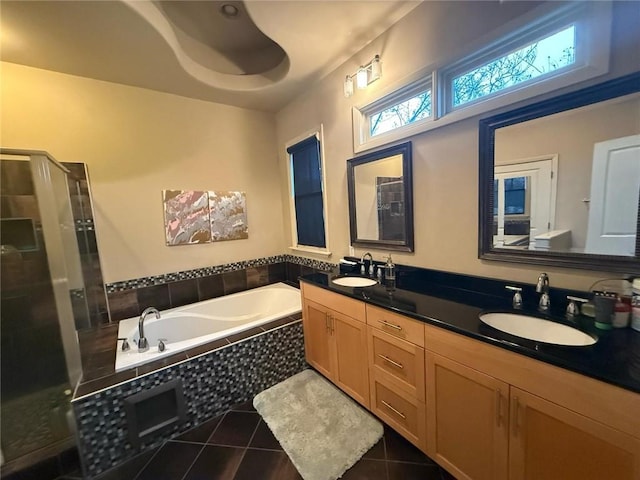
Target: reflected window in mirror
{"x": 577, "y": 159}
{"x": 380, "y": 199}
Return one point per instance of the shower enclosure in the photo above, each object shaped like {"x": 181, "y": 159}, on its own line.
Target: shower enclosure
{"x": 44, "y": 302}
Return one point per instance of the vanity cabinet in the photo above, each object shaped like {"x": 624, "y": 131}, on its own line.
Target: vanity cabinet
{"x": 493, "y": 414}
{"x": 335, "y": 339}
{"x": 396, "y": 372}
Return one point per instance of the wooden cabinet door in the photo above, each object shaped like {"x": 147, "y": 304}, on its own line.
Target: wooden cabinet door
{"x": 350, "y": 370}
{"x": 467, "y": 420}
{"x": 317, "y": 336}
{"x": 550, "y": 442}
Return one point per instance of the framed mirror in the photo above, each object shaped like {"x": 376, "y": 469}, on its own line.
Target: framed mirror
{"x": 381, "y": 199}
{"x": 560, "y": 180}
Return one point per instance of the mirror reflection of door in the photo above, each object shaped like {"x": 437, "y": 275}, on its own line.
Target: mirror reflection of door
{"x": 390, "y": 200}
{"x": 613, "y": 210}
{"x": 524, "y": 201}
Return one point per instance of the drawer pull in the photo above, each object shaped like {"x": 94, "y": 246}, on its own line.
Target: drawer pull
{"x": 393, "y": 409}
{"x": 392, "y": 362}
{"x": 392, "y": 325}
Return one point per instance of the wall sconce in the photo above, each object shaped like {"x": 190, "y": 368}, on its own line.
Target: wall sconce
{"x": 365, "y": 75}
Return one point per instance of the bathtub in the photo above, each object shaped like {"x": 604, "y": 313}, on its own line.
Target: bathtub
{"x": 186, "y": 327}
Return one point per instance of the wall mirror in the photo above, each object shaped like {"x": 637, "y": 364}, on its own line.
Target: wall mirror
{"x": 381, "y": 199}
{"x": 560, "y": 180}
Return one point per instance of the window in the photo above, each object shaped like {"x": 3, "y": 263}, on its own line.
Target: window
{"x": 554, "y": 46}
{"x": 307, "y": 193}
{"x": 534, "y": 60}
{"x": 408, "y": 111}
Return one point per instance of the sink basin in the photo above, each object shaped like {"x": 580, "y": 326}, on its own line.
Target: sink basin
{"x": 537, "y": 329}
{"x": 354, "y": 281}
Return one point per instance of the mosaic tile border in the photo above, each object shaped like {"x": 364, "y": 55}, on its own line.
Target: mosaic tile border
{"x": 212, "y": 383}
{"x": 142, "y": 282}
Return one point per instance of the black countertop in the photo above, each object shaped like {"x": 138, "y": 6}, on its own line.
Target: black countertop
{"x": 614, "y": 358}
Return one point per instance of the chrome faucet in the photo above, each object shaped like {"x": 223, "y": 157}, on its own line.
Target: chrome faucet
{"x": 362, "y": 270}
{"x": 143, "y": 344}
{"x": 543, "y": 287}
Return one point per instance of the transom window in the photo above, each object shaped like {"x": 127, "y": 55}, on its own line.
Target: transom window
{"x": 554, "y": 46}
{"x": 534, "y": 60}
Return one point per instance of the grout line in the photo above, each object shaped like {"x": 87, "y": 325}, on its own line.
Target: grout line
{"x": 216, "y": 427}
{"x": 148, "y": 462}
{"x": 193, "y": 462}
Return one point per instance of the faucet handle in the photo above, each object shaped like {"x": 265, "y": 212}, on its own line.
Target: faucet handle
{"x": 517, "y": 295}
{"x": 573, "y": 310}
{"x": 161, "y": 344}
{"x": 125, "y": 344}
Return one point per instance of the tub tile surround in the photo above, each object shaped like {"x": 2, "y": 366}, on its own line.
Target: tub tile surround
{"x": 213, "y": 382}
{"x": 128, "y": 298}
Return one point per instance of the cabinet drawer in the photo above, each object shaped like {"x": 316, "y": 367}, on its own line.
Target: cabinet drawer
{"x": 404, "y": 413}
{"x": 401, "y": 362}
{"x": 339, "y": 303}
{"x": 396, "y": 325}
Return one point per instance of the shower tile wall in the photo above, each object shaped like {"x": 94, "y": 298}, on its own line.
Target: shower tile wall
{"x": 212, "y": 383}
{"x": 89, "y": 304}
{"x": 31, "y": 354}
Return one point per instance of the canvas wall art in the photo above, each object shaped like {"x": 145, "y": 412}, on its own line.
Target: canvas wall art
{"x": 228, "y": 216}
{"x": 186, "y": 217}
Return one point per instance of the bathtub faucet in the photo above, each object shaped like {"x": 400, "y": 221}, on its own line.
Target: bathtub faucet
{"x": 143, "y": 344}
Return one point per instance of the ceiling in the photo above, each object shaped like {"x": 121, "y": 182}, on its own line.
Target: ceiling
{"x": 261, "y": 57}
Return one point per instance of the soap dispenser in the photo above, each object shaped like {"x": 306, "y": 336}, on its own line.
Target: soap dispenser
{"x": 389, "y": 270}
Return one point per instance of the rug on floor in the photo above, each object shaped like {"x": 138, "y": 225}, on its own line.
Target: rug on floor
{"x": 322, "y": 430}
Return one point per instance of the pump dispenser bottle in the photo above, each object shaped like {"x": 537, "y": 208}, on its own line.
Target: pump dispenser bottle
{"x": 389, "y": 270}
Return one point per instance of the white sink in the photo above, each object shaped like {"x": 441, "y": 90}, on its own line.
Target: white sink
{"x": 537, "y": 329}
{"x": 354, "y": 281}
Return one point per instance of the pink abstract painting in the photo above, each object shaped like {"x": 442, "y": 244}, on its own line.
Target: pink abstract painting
{"x": 186, "y": 217}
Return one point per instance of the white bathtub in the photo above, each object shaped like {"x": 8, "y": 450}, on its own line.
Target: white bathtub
{"x": 199, "y": 323}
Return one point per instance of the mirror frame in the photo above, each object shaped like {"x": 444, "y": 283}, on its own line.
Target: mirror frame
{"x": 406, "y": 245}
{"x": 612, "y": 263}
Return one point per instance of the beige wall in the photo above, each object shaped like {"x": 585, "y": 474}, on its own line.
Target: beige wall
{"x": 137, "y": 142}
{"x": 445, "y": 160}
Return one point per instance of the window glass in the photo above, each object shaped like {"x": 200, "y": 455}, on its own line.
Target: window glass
{"x": 403, "y": 113}
{"x": 307, "y": 192}
{"x": 534, "y": 60}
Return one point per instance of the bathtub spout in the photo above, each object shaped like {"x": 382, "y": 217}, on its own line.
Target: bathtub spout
{"x": 143, "y": 344}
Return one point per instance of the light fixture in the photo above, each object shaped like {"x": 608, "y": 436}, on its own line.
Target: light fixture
{"x": 366, "y": 74}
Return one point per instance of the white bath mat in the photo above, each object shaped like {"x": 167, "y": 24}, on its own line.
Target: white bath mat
{"x": 321, "y": 429}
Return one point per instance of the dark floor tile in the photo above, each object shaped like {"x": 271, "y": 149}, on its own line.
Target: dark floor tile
{"x": 183, "y": 292}
{"x": 69, "y": 461}
{"x": 367, "y": 470}
{"x": 201, "y": 433}
{"x": 216, "y": 463}
{"x": 266, "y": 465}
{"x": 210, "y": 286}
{"x": 236, "y": 429}
{"x": 263, "y": 438}
{"x": 129, "y": 469}
{"x": 399, "y": 449}
{"x": 246, "y": 334}
{"x": 376, "y": 452}
{"x": 412, "y": 471}
{"x": 44, "y": 470}
{"x": 244, "y": 407}
{"x": 171, "y": 462}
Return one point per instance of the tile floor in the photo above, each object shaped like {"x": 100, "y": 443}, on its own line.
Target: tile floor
{"x": 238, "y": 445}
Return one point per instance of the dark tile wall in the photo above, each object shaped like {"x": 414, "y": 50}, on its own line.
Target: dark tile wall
{"x": 28, "y": 318}
{"x": 212, "y": 383}
{"x": 128, "y": 299}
